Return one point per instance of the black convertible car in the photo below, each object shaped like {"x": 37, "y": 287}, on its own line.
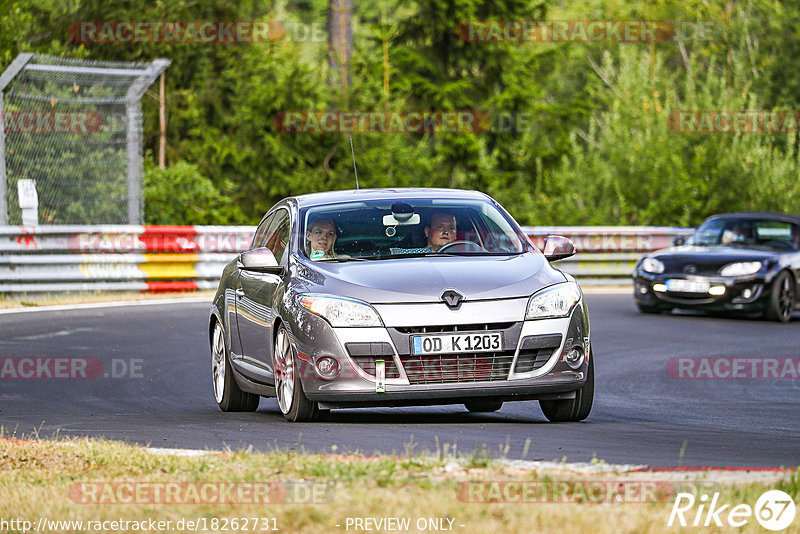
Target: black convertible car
{"x": 735, "y": 262}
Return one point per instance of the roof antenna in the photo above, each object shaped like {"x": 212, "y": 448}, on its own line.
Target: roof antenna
{"x": 354, "y": 159}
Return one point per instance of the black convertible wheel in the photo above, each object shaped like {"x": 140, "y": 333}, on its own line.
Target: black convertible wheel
{"x": 483, "y": 406}
{"x": 576, "y": 409}
{"x": 226, "y": 391}
{"x": 782, "y": 298}
{"x": 293, "y": 403}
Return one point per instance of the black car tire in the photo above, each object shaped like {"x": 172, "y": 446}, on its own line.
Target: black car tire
{"x": 292, "y": 401}
{"x": 232, "y": 399}
{"x": 782, "y": 298}
{"x": 572, "y": 410}
{"x": 483, "y": 406}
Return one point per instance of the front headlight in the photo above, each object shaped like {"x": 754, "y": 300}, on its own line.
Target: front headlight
{"x": 652, "y": 265}
{"x": 340, "y": 311}
{"x": 741, "y": 268}
{"x": 554, "y": 301}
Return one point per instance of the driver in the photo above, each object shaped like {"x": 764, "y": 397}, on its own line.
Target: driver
{"x": 441, "y": 231}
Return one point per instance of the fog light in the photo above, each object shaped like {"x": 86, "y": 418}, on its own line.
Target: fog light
{"x": 716, "y": 290}
{"x": 642, "y": 289}
{"x": 574, "y": 357}
{"x": 747, "y": 293}
{"x": 327, "y": 367}
{"x": 661, "y": 288}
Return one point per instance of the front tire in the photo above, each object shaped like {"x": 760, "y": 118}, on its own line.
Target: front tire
{"x": 572, "y": 410}
{"x": 782, "y": 298}
{"x": 226, "y": 391}
{"x": 293, "y": 403}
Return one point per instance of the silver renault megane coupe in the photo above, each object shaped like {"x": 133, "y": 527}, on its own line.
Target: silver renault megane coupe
{"x": 393, "y": 297}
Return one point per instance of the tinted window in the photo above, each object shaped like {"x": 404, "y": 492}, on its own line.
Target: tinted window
{"x": 260, "y": 238}
{"x": 278, "y": 234}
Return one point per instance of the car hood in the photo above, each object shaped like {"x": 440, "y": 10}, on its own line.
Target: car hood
{"x": 708, "y": 259}
{"x": 424, "y": 279}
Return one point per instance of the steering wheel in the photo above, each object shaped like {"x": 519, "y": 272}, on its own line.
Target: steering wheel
{"x": 469, "y": 244}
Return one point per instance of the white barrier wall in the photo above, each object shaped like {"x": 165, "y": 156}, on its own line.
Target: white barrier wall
{"x": 176, "y": 258}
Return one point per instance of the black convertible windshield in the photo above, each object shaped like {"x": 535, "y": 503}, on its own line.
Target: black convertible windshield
{"x": 748, "y": 232}
{"x": 383, "y": 229}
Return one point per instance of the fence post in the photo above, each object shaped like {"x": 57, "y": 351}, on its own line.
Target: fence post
{"x": 9, "y": 74}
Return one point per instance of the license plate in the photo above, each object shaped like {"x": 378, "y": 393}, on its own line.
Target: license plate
{"x": 680, "y": 285}
{"x": 457, "y": 343}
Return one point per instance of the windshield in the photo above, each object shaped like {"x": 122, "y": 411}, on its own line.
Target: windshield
{"x": 747, "y": 232}
{"x": 385, "y": 229}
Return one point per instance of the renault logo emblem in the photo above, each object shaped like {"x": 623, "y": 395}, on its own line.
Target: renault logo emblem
{"x": 452, "y": 298}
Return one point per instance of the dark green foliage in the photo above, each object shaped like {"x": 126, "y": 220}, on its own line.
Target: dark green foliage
{"x": 594, "y": 147}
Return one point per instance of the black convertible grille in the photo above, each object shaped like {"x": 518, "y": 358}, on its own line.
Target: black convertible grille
{"x": 448, "y": 368}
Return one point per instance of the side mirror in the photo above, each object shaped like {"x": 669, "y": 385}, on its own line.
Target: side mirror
{"x": 557, "y": 247}
{"x": 260, "y": 260}
{"x": 679, "y": 240}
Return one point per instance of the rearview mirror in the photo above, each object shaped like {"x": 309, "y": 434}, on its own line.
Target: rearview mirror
{"x": 557, "y": 247}
{"x": 679, "y": 240}
{"x": 260, "y": 260}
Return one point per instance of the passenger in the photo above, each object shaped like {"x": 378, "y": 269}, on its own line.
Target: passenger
{"x": 737, "y": 233}
{"x": 321, "y": 237}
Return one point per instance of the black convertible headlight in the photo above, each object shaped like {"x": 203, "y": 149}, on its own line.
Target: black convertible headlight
{"x": 741, "y": 268}
{"x": 652, "y": 265}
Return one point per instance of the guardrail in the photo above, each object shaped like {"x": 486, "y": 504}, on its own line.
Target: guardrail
{"x": 175, "y": 258}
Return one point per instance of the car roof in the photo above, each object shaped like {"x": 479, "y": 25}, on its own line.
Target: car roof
{"x": 356, "y": 195}
{"x": 784, "y": 217}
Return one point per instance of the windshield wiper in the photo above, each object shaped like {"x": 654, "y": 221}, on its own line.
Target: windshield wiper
{"x": 343, "y": 260}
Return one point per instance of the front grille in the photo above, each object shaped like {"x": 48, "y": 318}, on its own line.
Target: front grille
{"x": 449, "y": 368}
{"x": 453, "y": 328}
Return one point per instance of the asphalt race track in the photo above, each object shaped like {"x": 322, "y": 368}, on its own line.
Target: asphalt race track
{"x": 641, "y": 415}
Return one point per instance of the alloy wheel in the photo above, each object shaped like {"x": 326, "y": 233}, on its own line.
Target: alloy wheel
{"x": 218, "y": 363}
{"x": 284, "y": 371}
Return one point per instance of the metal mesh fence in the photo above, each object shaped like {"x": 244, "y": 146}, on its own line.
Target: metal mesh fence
{"x": 75, "y": 127}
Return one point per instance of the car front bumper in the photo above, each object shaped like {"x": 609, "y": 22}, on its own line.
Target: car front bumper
{"x": 531, "y": 364}
{"x": 734, "y": 299}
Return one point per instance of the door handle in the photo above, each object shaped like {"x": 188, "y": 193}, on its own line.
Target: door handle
{"x": 240, "y": 292}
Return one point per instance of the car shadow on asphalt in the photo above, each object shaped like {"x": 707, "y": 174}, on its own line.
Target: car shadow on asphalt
{"x": 433, "y": 415}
